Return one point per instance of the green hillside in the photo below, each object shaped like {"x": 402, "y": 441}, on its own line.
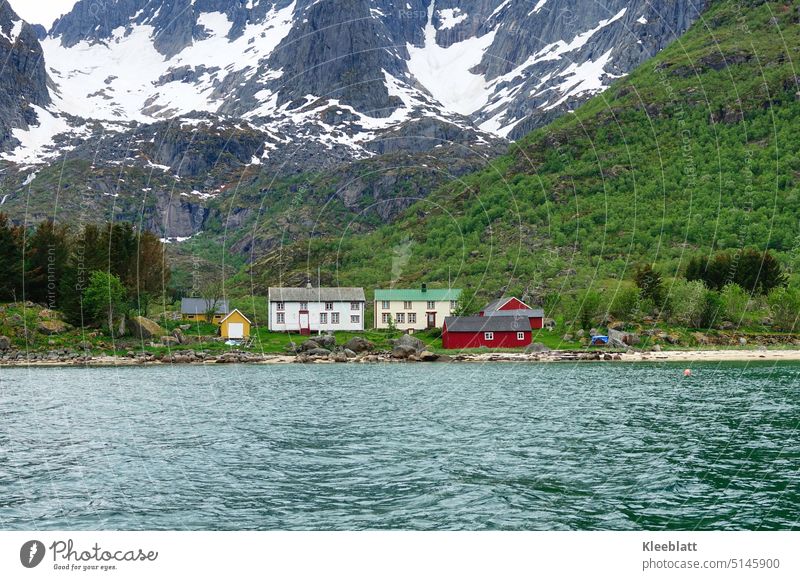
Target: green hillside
{"x": 695, "y": 152}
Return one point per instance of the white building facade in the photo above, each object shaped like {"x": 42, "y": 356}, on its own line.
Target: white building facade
{"x": 409, "y": 309}
{"x": 307, "y": 310}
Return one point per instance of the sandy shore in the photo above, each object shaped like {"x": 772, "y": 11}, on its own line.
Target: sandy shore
{"x": 684, "y": 356}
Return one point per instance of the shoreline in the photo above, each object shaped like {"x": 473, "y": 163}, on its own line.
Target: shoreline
{"x": 689, "y": 356}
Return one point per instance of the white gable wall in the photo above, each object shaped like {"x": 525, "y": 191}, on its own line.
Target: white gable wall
{"x": 291, "y": 314}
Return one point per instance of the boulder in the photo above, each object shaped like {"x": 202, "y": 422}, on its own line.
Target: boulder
{"x": 5, "y": 343}
{"x": 536, "y": 347}
{"x": 549, "y": 324}
{"x": 178, "y": 334}
{"x": 338, "y": 357}
{"x": 326, "y": 341}
{"x": 428, "y": 356}
{"x": 309, "y": 345}
{"x": 620, "y": 339}
{"x": 444, "y": 358}
{"x": 656, "y": 348}
{"x": 742, "y": 341}
{"x": 359, "y": 344}
{"x": 318, "y": 352}
{"x": 51, "y": 327}
{"x": 291, "y": 346}
{"x": 402, "y": 351}
{"x": 410, "y": 341}
{"x": 169, "y": 341}
{"x": 349, "y": 353}
{"x": 144, "y": 328}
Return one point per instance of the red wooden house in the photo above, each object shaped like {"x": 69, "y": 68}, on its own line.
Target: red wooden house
{"x": 490, "y": 331}
{"x": 516, "y": 308}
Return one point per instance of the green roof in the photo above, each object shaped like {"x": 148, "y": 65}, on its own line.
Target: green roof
{"x": 416, "y": 295}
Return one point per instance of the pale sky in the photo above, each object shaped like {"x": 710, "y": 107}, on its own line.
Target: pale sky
{"x": 41, "y": 11}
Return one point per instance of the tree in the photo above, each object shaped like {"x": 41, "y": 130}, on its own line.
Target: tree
{"x": 688, "y": 300}
{"x": 466, "y": 303}
{"x": 759, "y": 272}
{"x": 784, "y": 304}
{"x": 589, "y": 308}
{"x": 11, "y": 265}
{"x": 104, "y": 299}
{"x": 45, "y": 260}
{"x": 152, "y": 274}
{"x": 650, "y": 285}
{"x": 212, "y": 292}
{"x": 625, "y": 303}
{"x": 734, "y": 302}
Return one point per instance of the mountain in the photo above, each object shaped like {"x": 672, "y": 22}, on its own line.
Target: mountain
{"x": 696, "y": 151}
{"x": 24, "y": 92}
{"x": 160, "y": 108}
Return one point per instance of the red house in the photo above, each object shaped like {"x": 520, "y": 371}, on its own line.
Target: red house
{"x": 514, "y": 307}
{"x": 490, "y": 331}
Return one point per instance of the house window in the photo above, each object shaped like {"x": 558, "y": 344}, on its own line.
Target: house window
{"x": 304, "y": 306}
{"x": 386, "y": 318}
{"x": 488, "y": 335}
{"x": 412, "y": 317}
{"x": 400, "y": 318}
{"x": 323, "y": 318}
{"x": 453, "y": 304}
{"x": 280, "y": 306}
{"x": 520, "y": 336}
{"x": 281, "y": 317}
{"x": 407, "y": 305}
{"x": 355, "y": 306}
{"x": 385, "y": 304}
{"x": 355, "y": 319}
{"x": 334, "y": 318}
{"x": 431, "y": 305}
{"x": 329, "y": 306}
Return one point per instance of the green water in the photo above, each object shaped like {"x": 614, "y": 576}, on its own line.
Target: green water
{"x": 422, "y": 447}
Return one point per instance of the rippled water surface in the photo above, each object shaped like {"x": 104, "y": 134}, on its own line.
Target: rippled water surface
{"x": 503, "y": 446}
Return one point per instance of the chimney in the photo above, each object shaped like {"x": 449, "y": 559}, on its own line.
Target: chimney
{"x": 424, "y": 287}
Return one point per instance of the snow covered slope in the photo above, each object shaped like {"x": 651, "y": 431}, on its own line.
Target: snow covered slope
{"x": 347, "y": 75}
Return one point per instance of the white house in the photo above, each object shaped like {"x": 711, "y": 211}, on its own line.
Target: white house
{"x": 418, "y": 309}
{"x": 307, "y": 310}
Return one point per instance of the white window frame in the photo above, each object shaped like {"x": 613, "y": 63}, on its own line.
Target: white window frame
{"x": 355, "y": 319}
{"x": 280, "y": 318}
{"x": 520, "y": 336}
{"x": 400, "y": 318}
{"x": 323, "y": 318}
{"x": 387, "y": 318}
{"x": 355, "y": 306}
{"x": 453, "y": 304}
{"x": 280, "y": 306}
{"x": 412, "y": 317}
{"x": 329, "y": 306}
{"x": 488, "y": 336}
{"x": 431, "y": 305}
{"x": 335, "y": 318}
{"x": 385, "y": 304}
{"x": 304, "y": 306}
{"x": 407, "y": 305}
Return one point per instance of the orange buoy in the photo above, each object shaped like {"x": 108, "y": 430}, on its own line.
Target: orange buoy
{"x": 687, "y": 373}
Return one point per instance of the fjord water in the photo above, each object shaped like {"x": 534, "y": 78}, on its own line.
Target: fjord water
{"x": 421, "y": 447}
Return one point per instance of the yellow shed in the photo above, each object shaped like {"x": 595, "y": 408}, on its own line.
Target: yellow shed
{"x": 235, "y": 326}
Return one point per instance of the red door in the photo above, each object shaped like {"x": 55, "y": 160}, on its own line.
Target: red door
{"x": 431, "y": 320}
{"x": 305, "y": 324}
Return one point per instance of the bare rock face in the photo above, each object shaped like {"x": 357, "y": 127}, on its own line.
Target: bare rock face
{"x": 145, "y": 329}
{"x": 23, "y": 77}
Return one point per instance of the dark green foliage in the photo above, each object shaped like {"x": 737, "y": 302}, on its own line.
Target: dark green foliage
{"x": 10, "y": 260}
{"x": 46, "y": 256}
{"x": 754, "y": 271}
{"x": 650, "y": 284}
{"x": 104, "y": 299}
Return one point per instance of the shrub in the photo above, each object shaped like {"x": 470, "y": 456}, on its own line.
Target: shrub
{"x": 784, "y": 304}
{"x": 625, "y": 303}
{"x": 734, "y": 302}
